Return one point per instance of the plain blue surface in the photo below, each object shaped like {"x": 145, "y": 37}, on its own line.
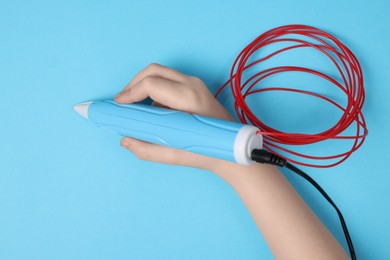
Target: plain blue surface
{"x": 69, "y": 191}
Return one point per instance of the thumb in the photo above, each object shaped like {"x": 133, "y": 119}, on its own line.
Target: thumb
{"x": 162, "y": 154}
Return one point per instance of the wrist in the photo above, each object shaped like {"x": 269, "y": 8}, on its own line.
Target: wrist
{"x": 236, "y": 174}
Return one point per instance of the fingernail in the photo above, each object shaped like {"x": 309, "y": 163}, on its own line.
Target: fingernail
{"x": 124, "y": 143}
{"x": 117, "y": 97}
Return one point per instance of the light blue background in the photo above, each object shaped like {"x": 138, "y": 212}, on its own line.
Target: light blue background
{"x": 69, "y": 191}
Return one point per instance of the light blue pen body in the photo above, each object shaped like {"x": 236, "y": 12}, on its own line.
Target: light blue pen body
{"x": 213, "y": 137}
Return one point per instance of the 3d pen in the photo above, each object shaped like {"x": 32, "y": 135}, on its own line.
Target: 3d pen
{"x": 204, "y": 135}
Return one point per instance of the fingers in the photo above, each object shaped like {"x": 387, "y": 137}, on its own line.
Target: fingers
{"x": 156, "y": 70}
{"x": 155, "y": 87}
{"x": 162, "y": 154}
{"x": 166, "y": 92}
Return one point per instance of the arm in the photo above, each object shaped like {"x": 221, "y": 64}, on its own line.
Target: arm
{"x": 290, "y": 228}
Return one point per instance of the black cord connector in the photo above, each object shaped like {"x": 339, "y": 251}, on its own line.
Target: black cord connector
{"x": 263, "y": 156}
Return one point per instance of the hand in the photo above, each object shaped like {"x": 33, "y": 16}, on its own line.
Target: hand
{"x": 172, "y": 89}
{"x": 290, "y": 228}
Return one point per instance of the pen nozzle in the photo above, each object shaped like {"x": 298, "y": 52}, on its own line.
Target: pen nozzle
{"x": 82, "y": 109}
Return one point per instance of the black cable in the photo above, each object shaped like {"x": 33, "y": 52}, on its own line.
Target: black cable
{"x": 263, "y": 156}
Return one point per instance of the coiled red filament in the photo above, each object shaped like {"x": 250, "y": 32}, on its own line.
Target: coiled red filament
{"x": 350, "y": 83}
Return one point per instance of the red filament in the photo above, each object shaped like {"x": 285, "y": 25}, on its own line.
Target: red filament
{"x": 350, "y": 83}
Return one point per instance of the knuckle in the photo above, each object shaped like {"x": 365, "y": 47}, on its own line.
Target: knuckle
{"x": 197, "y": 82}
{"x": 150, "y": 80}
{"x": 142, "y": 153}
{"x": 153, "y": 66}
{"x": 195, "y": 79}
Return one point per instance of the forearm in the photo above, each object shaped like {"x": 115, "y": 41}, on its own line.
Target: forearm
{"x": 291, "y": 229}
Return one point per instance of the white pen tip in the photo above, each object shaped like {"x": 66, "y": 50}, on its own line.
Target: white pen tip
{"x": 82, "y": 109}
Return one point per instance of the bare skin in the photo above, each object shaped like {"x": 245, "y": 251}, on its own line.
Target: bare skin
{"x": 290, "y": 228}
